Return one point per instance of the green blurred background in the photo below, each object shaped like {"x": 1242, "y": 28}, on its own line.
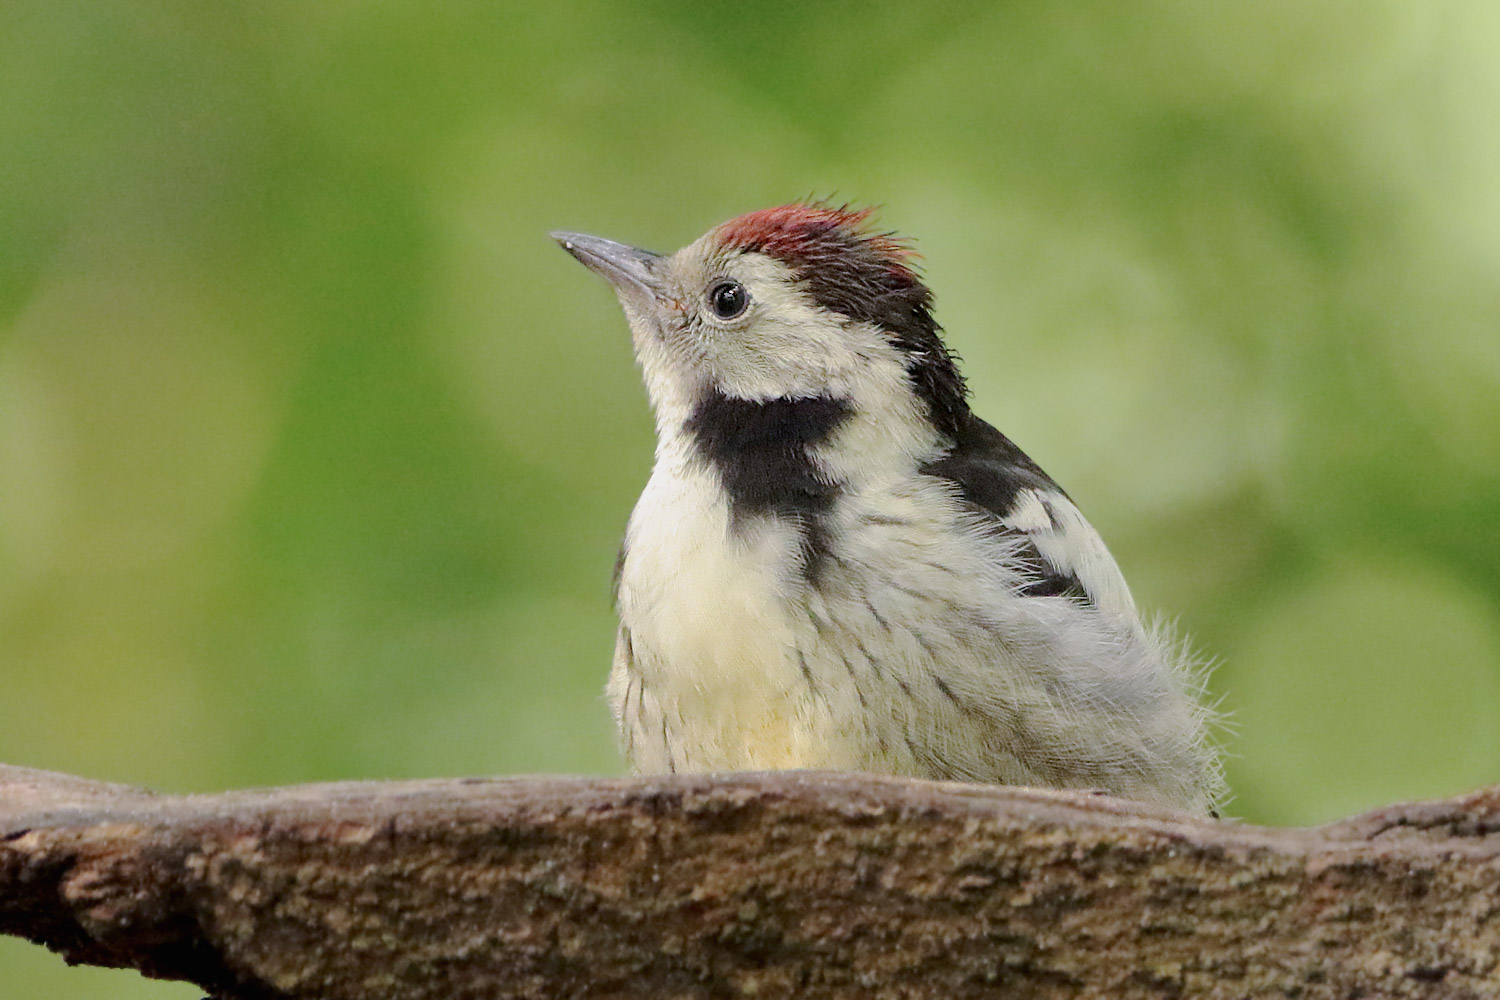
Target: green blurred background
{"x": 314, "y": 450}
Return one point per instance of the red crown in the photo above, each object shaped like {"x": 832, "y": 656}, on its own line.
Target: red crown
{"x": 806, "y": 232}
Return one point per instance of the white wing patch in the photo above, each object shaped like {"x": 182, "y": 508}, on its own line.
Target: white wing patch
{"x": 1070, "y": 545}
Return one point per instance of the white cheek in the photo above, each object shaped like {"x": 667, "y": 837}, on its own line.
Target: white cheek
{"x": 888, "y": 433}
{"x": 786, "y": 348}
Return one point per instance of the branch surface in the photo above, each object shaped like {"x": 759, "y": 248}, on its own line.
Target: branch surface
{"x": 792, "y": 884}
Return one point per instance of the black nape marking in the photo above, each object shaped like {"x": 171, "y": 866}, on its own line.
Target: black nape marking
{"x": 758, "y": 448}
{"x": 990, "y": 472}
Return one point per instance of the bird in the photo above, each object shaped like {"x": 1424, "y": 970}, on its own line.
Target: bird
{"x": 836, "y": 564}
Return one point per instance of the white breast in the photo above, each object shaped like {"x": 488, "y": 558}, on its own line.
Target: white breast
{"x": 911, "y": 653}
{"x": 712, "y": 679}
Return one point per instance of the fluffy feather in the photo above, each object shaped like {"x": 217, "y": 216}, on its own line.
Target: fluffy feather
{"x": 836, "y": 564}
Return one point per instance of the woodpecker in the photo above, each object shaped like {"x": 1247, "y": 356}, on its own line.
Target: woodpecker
{"x": 836, "y": 564}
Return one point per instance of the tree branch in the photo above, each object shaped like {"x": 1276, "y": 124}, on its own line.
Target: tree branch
{"x": 805, "y": 884}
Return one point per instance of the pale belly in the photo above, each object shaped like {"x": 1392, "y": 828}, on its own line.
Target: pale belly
{"x": 714, "y": 676}
{"x": 910, "y": 655}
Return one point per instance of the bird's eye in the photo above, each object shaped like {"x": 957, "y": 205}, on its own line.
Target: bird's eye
{"x": 728, "y": 299}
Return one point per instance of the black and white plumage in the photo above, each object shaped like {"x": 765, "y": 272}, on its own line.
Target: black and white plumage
{"x": 836, "y": 564}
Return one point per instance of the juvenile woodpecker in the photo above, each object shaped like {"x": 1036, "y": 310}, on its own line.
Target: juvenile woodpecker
{"x": 836, "y": 564}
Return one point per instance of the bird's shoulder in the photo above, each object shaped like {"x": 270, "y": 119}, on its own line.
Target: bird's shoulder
{"x": 1062, "y": 553}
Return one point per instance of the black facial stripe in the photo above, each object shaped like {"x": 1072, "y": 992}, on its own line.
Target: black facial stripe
{"x": 758, "y": 449}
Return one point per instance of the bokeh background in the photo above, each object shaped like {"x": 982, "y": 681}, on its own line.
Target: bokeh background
{"x": 314, "y": 450}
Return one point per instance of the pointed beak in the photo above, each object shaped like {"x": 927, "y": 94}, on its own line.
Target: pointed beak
{"x": 628, "y": 268}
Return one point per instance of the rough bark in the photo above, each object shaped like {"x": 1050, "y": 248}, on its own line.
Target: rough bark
{"x": 787, "y": 884}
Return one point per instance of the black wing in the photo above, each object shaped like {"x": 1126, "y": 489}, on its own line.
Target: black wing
{"x": 1061, "y": 551}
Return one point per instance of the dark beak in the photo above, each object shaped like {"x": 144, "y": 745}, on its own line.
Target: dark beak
{"x": 628, "y": 268}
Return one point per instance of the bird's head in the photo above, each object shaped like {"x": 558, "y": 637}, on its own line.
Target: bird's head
{"x": 803, "y": 301}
